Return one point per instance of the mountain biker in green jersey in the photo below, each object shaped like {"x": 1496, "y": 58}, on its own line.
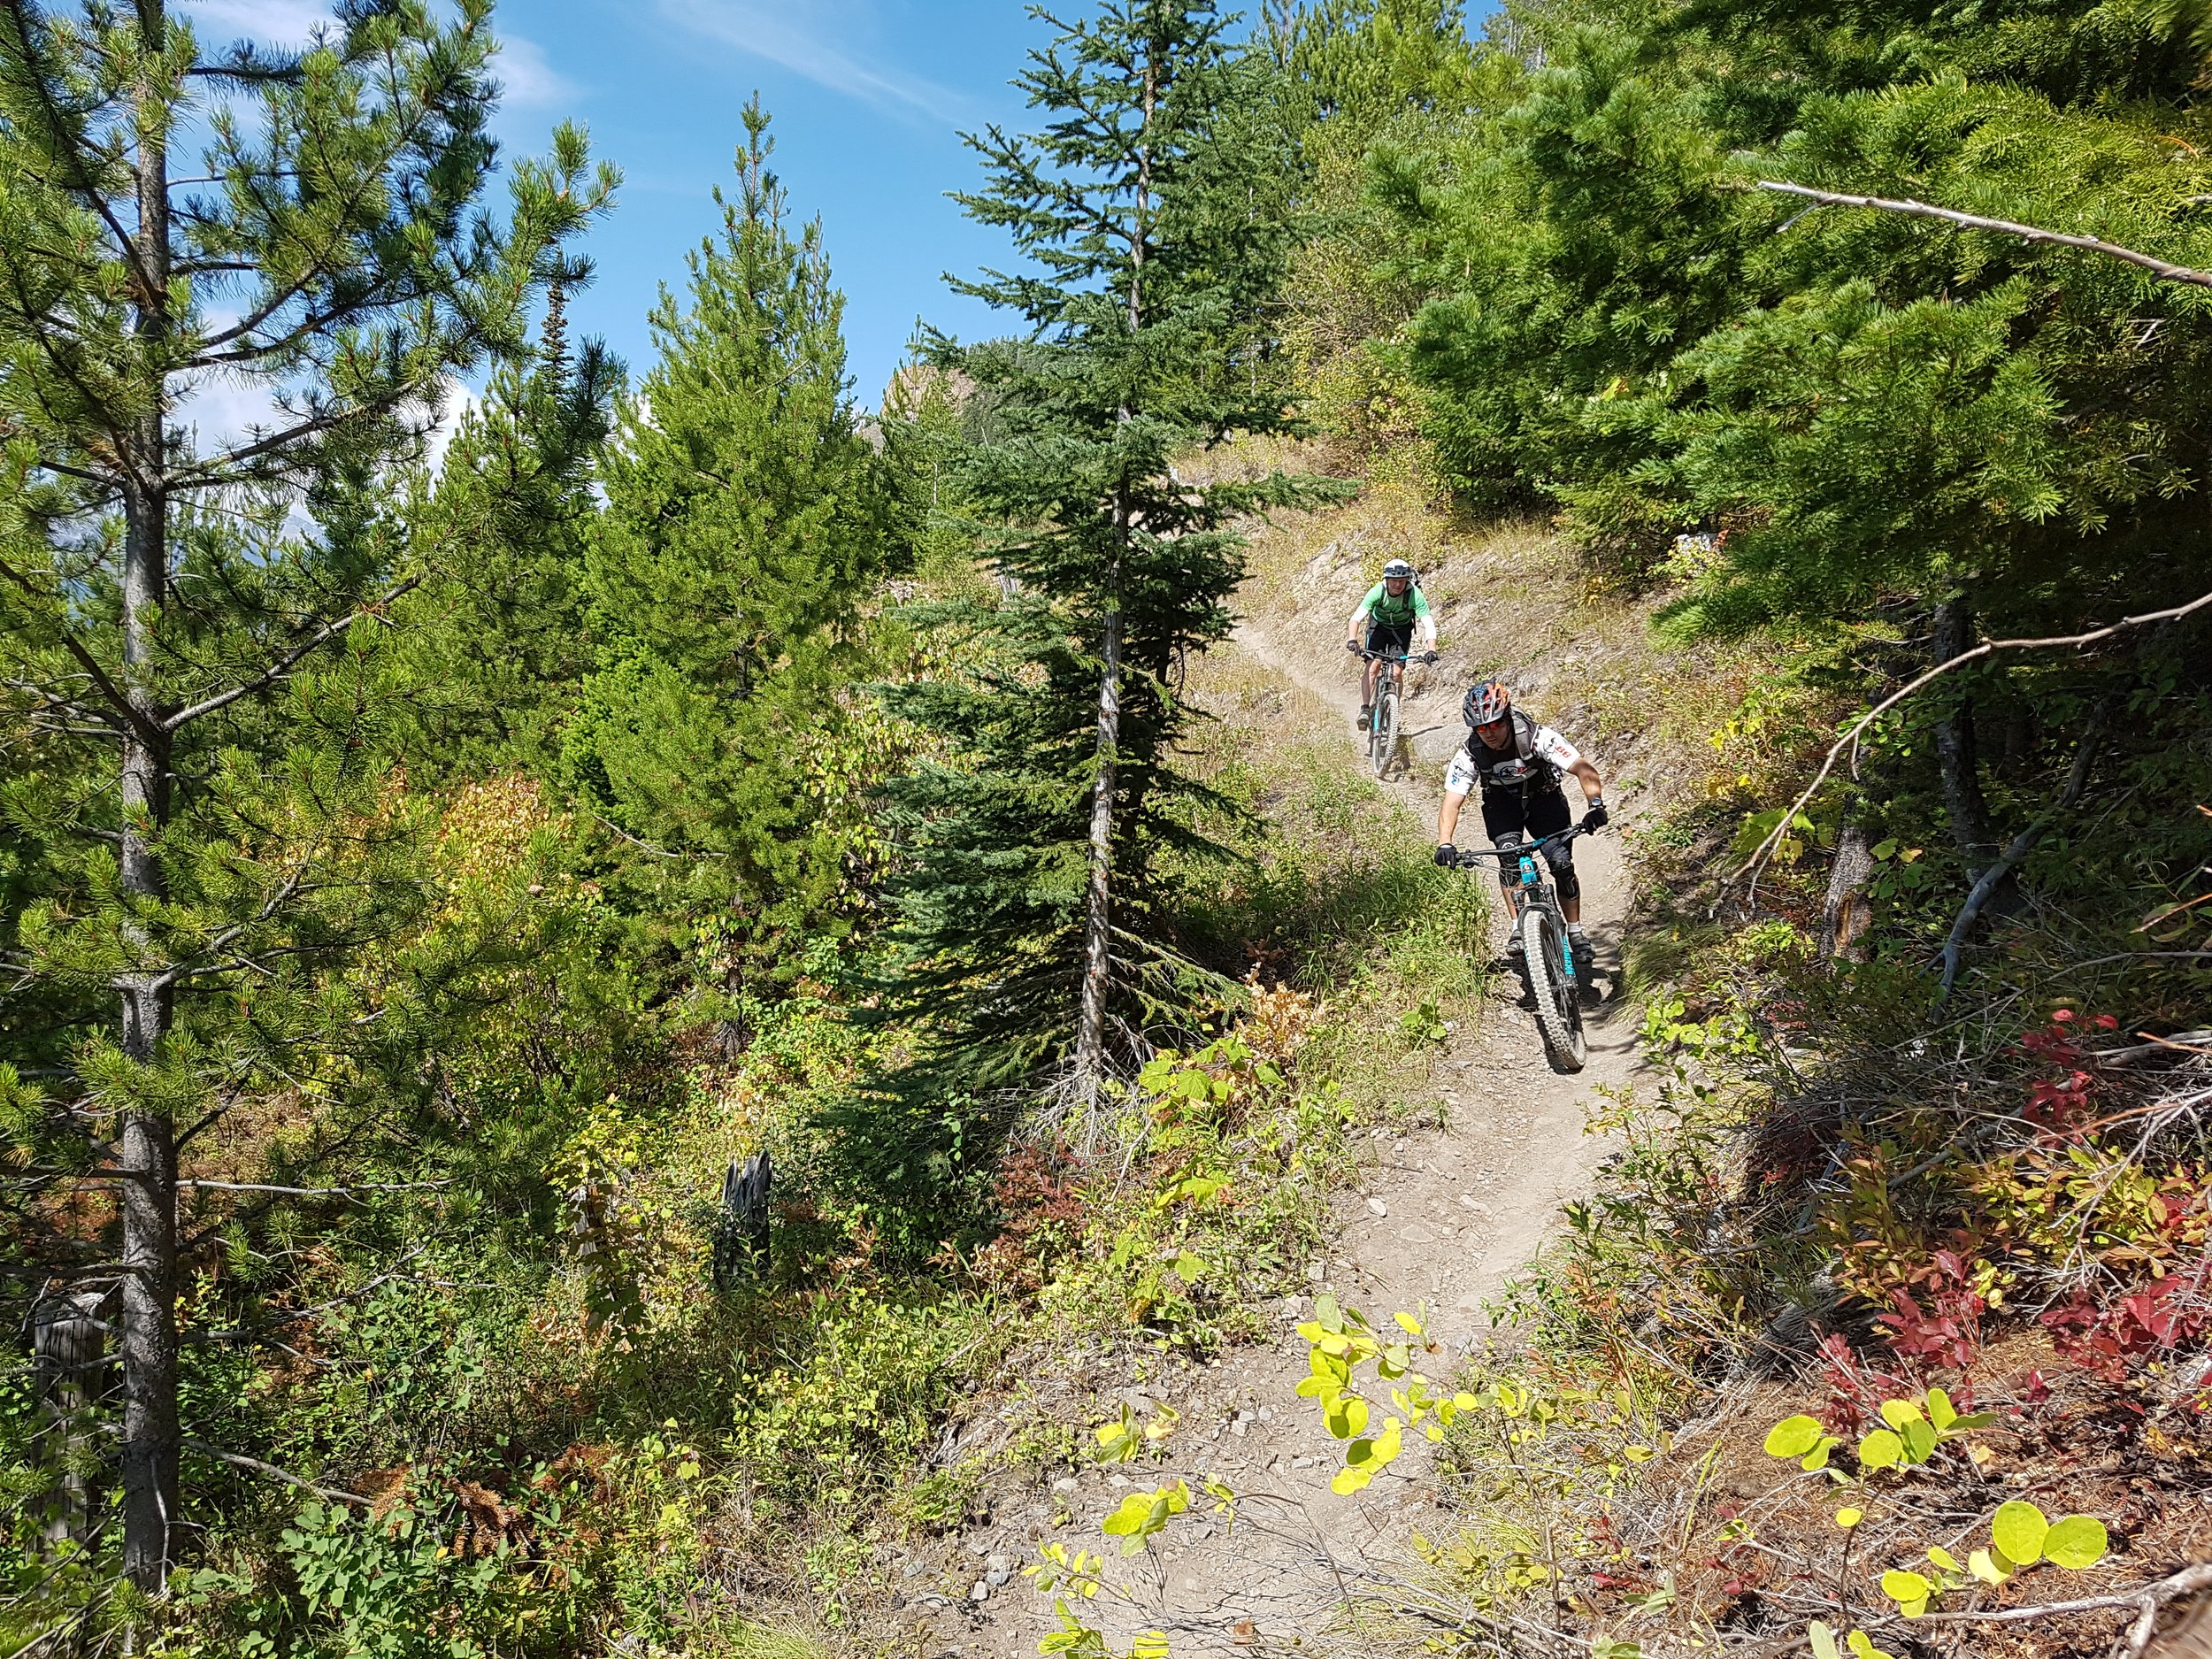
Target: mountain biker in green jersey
{"x": 1394, "y": 610}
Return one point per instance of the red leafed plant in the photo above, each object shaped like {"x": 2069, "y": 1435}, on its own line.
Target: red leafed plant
{"x": 1043, "y": 1213}
{"x": 1947, "y": 1331}
{"x": 2116, "y": 1339}
{"x": 2060, "y": 1103}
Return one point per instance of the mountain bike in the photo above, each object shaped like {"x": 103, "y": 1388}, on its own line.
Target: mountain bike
{"x": 1547, "y": 952}
{"x": 1382, "y": 727}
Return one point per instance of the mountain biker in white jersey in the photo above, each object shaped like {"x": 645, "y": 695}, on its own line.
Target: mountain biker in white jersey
{"x": 1393, "y": 612}
{"x": 1519, "y": 764}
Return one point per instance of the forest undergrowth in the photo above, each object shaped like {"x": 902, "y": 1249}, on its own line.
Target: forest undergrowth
{"x": 548, "y": 1458}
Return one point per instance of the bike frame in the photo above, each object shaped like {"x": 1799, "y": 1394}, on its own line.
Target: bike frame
{"x": 1534, "y": 887}
{"x": 1390, "y": 683}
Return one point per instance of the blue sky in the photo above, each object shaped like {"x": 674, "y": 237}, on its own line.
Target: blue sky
{"x": 869, "y": 97}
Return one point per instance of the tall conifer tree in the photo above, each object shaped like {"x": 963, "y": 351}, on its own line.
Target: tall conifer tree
{"x": 498, "y": 637}
{"x": 163, "y": 592}
{"x": 746, "y": 523}
{"x": 1150, "y": 263}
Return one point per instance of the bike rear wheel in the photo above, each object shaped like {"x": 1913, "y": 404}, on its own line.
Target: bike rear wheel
{"x": 1558, "y": 997}
{"x": 1382, "y": 735}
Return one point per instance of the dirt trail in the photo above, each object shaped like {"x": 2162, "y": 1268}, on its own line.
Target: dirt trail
{"x": 1445, "y": 1220}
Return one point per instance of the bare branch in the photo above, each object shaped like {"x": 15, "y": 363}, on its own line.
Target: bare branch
{"x": 239, "y": 1460}
{"x": 1954, "y": 946}
{"x": 2162, "y": 268}
{"x": 319, "y": 1192}
{"x": 2146, "y": 1600}
{"x": 658, "y": 852}
{"x": 284, "y": 664}
{"x": 1765, "y": 849}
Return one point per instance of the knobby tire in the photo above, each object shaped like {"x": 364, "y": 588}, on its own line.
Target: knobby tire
{"x": 1382, "y": 737}
{"x": 1558, "y": 998}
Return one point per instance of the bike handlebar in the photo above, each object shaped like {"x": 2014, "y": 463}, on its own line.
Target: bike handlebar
{"x": 1469, "y": 854}
{"x": 1396, "y": 656}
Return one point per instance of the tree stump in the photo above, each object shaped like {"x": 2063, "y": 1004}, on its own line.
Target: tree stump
{"x": 1845, "y": 915}
{"x": 69, "y": 1363}
{"x": 740, "y": 1232}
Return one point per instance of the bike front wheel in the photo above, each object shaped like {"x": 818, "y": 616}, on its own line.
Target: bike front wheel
{"x": 1558, "y": 997}
{"x": 1382, "y": 736}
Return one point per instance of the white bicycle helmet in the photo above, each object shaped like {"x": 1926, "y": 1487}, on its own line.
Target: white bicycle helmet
{"x": 1397, "y": 570}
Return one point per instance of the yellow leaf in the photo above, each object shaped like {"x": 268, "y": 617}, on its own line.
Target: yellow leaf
{"x": 2077, "y": 1542}
{"x": 1793, "y": 1437}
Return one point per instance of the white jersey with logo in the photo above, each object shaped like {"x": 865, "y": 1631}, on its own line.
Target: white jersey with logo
{"x": 1461, "y": 777}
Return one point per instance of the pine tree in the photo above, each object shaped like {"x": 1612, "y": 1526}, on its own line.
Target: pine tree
{"x": 731, "y": 576}
{"x": 497, "y": 637}
{"x": 205, "y": 708}
{"x": 1357, "y": 62}
{"x": 1025, "y": 916}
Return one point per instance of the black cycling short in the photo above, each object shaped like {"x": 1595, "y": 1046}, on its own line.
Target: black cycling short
{"x": 1396, "y": 638}
{"x": 1507, "y": 817}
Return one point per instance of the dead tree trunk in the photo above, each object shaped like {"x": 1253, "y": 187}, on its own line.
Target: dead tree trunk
{"x": 1844, "y": 914}
{"x": 740, "y": 1232}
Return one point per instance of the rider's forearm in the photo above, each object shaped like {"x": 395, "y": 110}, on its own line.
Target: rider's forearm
{"x": 1587, "y": 775}
{"x": 1359, "y": 619}
{"x": 1448, "y": 819}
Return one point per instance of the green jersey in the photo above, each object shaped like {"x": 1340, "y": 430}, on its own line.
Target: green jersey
{"x": 1378, "y": 606}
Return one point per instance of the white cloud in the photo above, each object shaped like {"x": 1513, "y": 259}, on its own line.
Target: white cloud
{"x": 222, "y": 411}
{"x": 529, "y": 78}
{"x": 810, "y": 38}
{"x": 274, "y": 22}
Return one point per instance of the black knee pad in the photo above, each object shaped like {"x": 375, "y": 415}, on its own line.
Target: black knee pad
{"x": 1563, "y": 873}
{"x": 1505, "y": 841}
